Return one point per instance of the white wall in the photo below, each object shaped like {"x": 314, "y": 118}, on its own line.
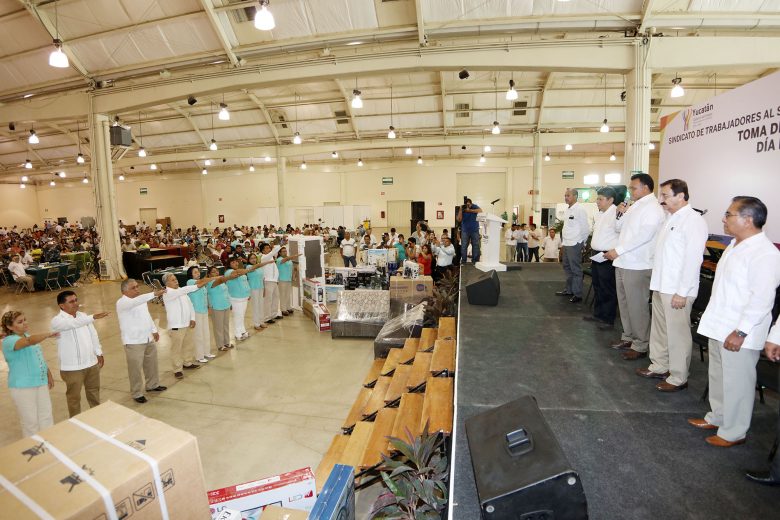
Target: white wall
{"x": 18, "y": 206}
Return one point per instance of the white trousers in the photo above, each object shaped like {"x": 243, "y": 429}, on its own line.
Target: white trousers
{"x": 732, "y": 389}
{"x": 271, "y": 300}
{"x": 34, "y": 407}
{"x": 202, "y": 336}
{"x": 670, "y": 339}
{"x": 258, "y": 308}
{"x": 285, "y": 296}
{"x": 239, "y": 311}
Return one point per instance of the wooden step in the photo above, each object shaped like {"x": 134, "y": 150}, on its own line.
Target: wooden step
{"x": 353, "y": 452}
{"x": 377, "y": 444}
{"x": 398, "y": 383}
{"x": 438, "y": 404}
{"x": 420, "y": 369}
{"x": 393, "y": 358}
{"x": 377, "y": 399}
{"x": 427, "y": 337}
{"x": 373, "y": 372}
{"x": 443, "y": 356}
{"x": 331, "y": 458}
{"x": 357, "y": 407}
{"x": 410, "y": 349}
{"x": 408, "y": 417}
{"x": 447, "y": 328}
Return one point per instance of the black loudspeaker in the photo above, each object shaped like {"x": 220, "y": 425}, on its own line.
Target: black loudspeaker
{"x": 520, "y": 469}
{"x": 484, "y": 290}
{"x": 120, "y": 136}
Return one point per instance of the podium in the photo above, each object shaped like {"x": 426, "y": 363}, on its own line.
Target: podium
{"x": 491, "y": 244}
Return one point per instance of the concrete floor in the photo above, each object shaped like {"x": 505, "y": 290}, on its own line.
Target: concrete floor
{"x": 268, "y": 406}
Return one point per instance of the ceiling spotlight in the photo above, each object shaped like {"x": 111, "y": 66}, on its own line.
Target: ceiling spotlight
{"x": 303, "y": 165}
{"x": 52, "y": 183}
{"x": 28, "y": 164}
{"x": 142, "y": 152}
{"x": 463, "y": 74}
{"x": 117, "y": 121}
{"x": 623, "y": 96}
{"x": 357, "y": 102}
{"x": 335, "y": 155}
{"x": 419, "y": 159}
{"x": 153, "y": 166}
{"x": 57, "y": 58}
{"x": 80, "y": 158}
{"x": 360, "y": 162}
{"x": 23, "y": 186}
{"x": 482, "y": 158}
{"x": 85, "y": 180}
{"x": 62, "y": 175}
{"x": 264, "y": 20}
{"x": 224, "y": 115}
{"x": 121, "y": 177}
{"x": 267, "y": 158}
{"x": 604, "y": 127}
{"x": 651, "y": 146}
{"x": 297, "y": 138}
{"x": 25, "y": 178}
{"x": 496, "y": 129}
{"x": 207, "y": 162}
{"x": 11, "y": 127}
{"x": 568, "y": 148}
{"x": 391, "y": 132}
{"x": 191, "y": 100}
{"x": 213, "y": 146}
{"x": 33, "y": 139}
{"x": 547, "y": 157}
{"x": 511, "y": 94}
{"x": 204, "y": 171}
{"x": 487, "y": 148}
{"x": 408, "y": 151}
{"x": 612, "y": 157}
{"x": 677, "y": 89}
{"x": 251, "y": 167}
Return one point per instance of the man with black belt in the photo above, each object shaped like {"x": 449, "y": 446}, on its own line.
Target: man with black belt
{"x": 575, "y": 233}
{"x": 605, "y": 238}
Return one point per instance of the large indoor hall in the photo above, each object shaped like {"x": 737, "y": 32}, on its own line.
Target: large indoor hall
{"x": 319, "y": 259}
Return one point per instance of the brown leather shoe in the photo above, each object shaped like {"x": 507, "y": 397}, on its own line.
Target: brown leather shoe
{"x": 621, "y": 345}
{"x": 663, "y": 386}
{"x": 702, "y": 424}
{"x": 646, "y": 372}
{"x": 633, "y": 355}
{"x": 720, "y": 442}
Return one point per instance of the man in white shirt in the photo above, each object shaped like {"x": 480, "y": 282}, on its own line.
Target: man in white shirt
{"x": 605, "y": 238}
{"x": 181, "y": 317}
{"x": 139, "y": 335}
{"x": 27, "y": 258}
{"x": 18, "y": 273}
{"x": 270, "y": 282}
{"x": 737, "y": 320}
{"x": 347, "y": 247}
{"x": 445, "y": 253}
{"x": 551, "y": 245}
{"x": 521, "y": 242}
{"x": 534, "y": 236}
{"x": 576, "y": 229}
{"x": 79, "y": 351}
{"x": 633, "y": 260}
{"x": 510, "y": 242}
{"x": 679, "y": 250}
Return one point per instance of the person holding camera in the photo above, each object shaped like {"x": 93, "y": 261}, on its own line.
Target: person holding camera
{"x": 469, "y": 230}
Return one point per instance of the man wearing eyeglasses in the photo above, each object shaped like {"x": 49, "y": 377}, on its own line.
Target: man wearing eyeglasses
{"x": 737, "y": 320}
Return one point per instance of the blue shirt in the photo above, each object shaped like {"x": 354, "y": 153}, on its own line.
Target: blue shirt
{"x": 255, "y": 278}
{"x": 218, "y": 296}
{"x": 469, "y": 222}
{"x": 285, "y": 270}
{"x": 26, "y": 366}
{"x": 399, "y": 247}
{"x": 198, "y": 298}
{"x": 238, "y": 287}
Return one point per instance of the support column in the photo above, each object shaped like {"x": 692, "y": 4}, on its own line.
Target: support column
{"x": 509, "y": 195}
{"x": 107, "y": 221}
{"x": 536, "y": 198}
{"x": 281, "y": 173}
{"x": 638, "y": 90}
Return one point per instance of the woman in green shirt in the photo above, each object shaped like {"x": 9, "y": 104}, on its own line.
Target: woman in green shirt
{"x": 219, "y": 307}
{"x": 285, "y": 266}
{"x": 29, "y": 378}
{"x": 239, "y": 292}
{"x": 255, "y": 277}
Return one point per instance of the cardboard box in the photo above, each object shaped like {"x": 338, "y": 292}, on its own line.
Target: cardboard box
{"x": 108, "y": 447}
{"x": 337, "y": 498}
{"x": 283, "y": 513}
{"x": 318, "y": 313}
{"x": 314, "y": 291}
{"x": 293, "y": 490}
{"x": 411, "y": 291}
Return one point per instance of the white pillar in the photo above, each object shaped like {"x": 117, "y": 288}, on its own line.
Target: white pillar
{"x": 509, "y": 195}
{"x": 281, "y": 172}
{"x": 536, "y": 198}
{"x": 638, "y": 90}
{"x": 107, "y": 221}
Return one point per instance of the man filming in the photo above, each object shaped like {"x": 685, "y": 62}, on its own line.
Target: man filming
{"x": 469, "y": 230}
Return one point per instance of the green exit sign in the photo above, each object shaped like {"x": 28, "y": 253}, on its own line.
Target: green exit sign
{"x": 143, "y": 191}
{"x": 387, "y": 180}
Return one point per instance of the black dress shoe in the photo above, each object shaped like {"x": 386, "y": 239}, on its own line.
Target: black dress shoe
{"x": 270, "y": 321}
{"x": 158, "y": 389}
{"x": 191, "y": 367}
{"x": 575, "y": 299}
{"x": 762, "y": 477}
{"x": 140, "y": 400}
{"x": 564, "y": 293}
{"x": 591, "y": 318}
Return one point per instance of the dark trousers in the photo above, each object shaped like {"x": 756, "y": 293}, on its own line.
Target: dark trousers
{"x": 467, "y": 237}
{"x": 572, "y": 266}
{"x": 522, "y": 251}
{"x": 605, "y": 299}
{"x": 533, "y": 252}
{"x": 349, "y": 260}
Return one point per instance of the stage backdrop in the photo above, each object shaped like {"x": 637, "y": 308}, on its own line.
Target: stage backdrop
{"x": 728, "y": 146}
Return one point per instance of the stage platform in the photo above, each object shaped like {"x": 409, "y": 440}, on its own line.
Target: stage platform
{"x": 637, "y": 456}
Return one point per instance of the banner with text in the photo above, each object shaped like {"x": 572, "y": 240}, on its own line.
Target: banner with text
{"x": 727, "y": 146}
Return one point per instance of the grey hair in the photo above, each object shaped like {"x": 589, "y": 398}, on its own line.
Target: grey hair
{"x": 574, "y": 191}
{"x": 125, "y": 283}
{"x": 166, "y": 277}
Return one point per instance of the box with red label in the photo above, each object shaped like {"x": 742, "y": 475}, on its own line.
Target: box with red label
{"x": 319, "y": 313}
{"x": 293, "y": 490}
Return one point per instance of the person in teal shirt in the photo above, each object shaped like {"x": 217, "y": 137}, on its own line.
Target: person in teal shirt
{"x": 239, "y": 292}
{"x": 400, "y": 250}
{"x": 255, "y": 277}
{"x": 199, "y": 301}
{"x": 29, "y": 378}
{"x": 285, "y": 266}
{"x": 219, "y": 304}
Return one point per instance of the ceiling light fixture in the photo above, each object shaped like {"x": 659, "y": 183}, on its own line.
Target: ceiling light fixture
{"x": 28, "y": 164}
{"x": 463, "y": 74}
{"x": 191, "y": 100}
{"x": 419, "y": 159}
{"x": 33, "y": 139}
{"x": 85, "y": 180}
{"x": 391, "y": 132}
{"x": 224, "y": 115}
{"x": 207, "y": 162}
{"x": 141, "y": 150}
{"x": 204, "y": 171}
{"x": 360, "y": 161}
{"x": 62, "y": 175}
{"x": 408, "y": 151}
{"x": 153, "y": 166}
{"x": 482, "y": 158}
{"x": 612, "y": 157}
{"x": 251, "y": 166}
{"x": 511, "y": 94}
{"x": 496, "y": 128}
{"x": 264, "y": 19}
{"x": 121, "y": 177}
{"x": 604, "y": 126}
{"x": 22, "y": 186}
{"x": 547, "y": 157}
{"x": 297, "y": 138}
{"x": 677, "y": 89}
{"x": 25, "y": 178}
{"x": 80, "y": 156}
{"x": 651, "y": 146}
{"x": 334, "y": 154}
{"x": 213, "y": 146}
{"x": 357, "y": 101}
{"x": 52, "y": 183}
{"x": 267, "y": 158}
{"x": 303, "y": 165}
{"x": 568, "y": 148}
{"x": 487, "y": 148}
{"x": 57, "y": 58}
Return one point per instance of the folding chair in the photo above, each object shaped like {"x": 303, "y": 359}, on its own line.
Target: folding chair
{"x": 86, "y": 271}
{"x": 53, "y": 278}
{"x": 71, "y": 275}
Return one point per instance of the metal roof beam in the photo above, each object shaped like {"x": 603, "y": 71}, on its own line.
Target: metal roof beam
{"x": 540, "y": 112}
{"x": 84, "y": 148}
{"x": 348, "y": 104}
{"x": 187, "y": 116}
{"x": 421, "y": 38}
{"x": 266, "y": 115}
{"x": 216, "y": 24}
{"x": 443, "y": 103}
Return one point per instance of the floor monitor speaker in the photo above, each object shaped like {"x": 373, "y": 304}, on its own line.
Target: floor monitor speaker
{"x": 484, "y": 289}
{"x": 520, "y": 470}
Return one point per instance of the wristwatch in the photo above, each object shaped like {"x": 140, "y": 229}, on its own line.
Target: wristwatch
{"x": 741, "y": 334}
